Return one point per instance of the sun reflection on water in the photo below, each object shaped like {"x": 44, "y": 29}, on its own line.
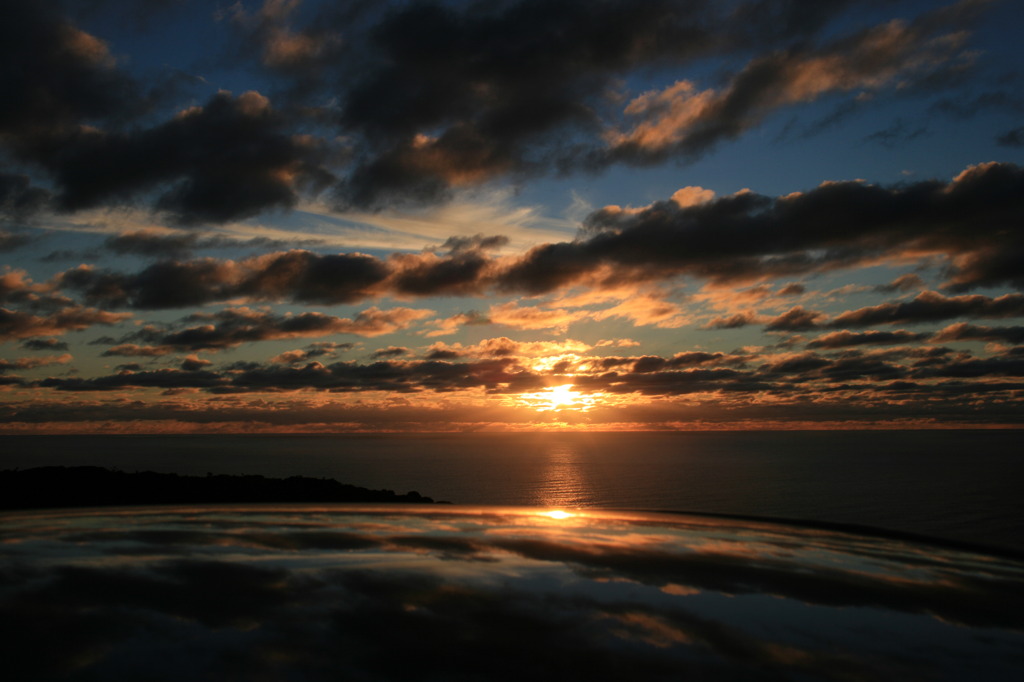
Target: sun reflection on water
{"x": 561, "y": 480}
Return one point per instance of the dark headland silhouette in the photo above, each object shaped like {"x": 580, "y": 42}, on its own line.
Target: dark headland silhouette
{"x": 91, "y": 486}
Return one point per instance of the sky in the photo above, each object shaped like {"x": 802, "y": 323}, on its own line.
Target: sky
{"x": 302, "y": 216}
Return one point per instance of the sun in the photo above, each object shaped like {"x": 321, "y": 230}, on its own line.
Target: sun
{"x": 563, "y": 396}
{"x": 556, "y": 399}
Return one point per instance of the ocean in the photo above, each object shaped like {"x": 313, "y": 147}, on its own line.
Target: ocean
{"x": 952, "y": 485}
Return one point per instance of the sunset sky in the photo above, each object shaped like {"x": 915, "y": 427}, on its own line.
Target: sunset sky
{"x": 295, "y": 215}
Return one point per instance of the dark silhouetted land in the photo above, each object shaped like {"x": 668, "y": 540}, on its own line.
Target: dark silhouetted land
{"x": 88, "y": 486}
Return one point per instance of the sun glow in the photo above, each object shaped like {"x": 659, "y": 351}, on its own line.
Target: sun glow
{"x": 557, "y": 398}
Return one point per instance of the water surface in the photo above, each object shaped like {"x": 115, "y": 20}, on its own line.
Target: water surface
{"x": 961, "y": 485}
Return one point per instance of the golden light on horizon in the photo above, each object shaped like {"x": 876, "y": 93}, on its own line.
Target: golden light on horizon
{"x": 558, "y": 514}
{"x": 556, "y": 399}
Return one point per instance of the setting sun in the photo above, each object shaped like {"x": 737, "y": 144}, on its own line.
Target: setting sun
{"x": 557, "y": 398}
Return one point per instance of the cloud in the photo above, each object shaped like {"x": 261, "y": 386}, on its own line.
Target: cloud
{"x": 502, "y": 346}
{"x": 451, "y": 325}
{"x": 280, "y": 47}
{"x": 298, "y": 275}
{"x": 32, "y": 363}
{"x": 621, "y": 343}
{"x": 896, "y": 134}
{"x": 152, "y": 244}
{"x": 235, "y": 326}
{"x": 18, "y": 201}
{"x": 66, "y": 106}
{"x": 193, "y": 363}
{"x": 795, "y": 319}
{"x": 534, "y": 317}
{"x": 44, "y": 344}
{"x": 16, "y": 325}
{"x": 1011, "y": 138}
{"x": 682, "y": 119}
{"x": 845, "y": 339}
{"x": 748, "y": 237}
{"x": 132, "y": 350}
{"x": 390, "y": 352}
{"x": 963, "y": 331}
{"x": 732, "y": 321}
{"x": 646, "y": 309}
{"x": 410, "y": 104}
{"x": 930, "y": 306}
{"x": 480, "y": 382}
{"x": 320, "y": 349}
{"x": 161, "y": 378}
{"x": 742, "y": 238}
{"x": 228, "y": 159}
{"x": 178, "y": 244}
{"x": 907, "y": 282}
{"x": 57, "y": 75}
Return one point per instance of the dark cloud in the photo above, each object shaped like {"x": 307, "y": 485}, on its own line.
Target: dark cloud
{"x": 966, "y": 108}
{"x": 503, "y": 375}
{"x": 312, "y": 278}
{"x": 907, "y": 282}
{"x": 18, "y": 200}
{"x": 229, "y": 159}
{"x": 390, "y": 352}
{"x": 235, "y": 326}
{"x": 152, "y": 244}
{"x": 21, "y": 325}
{"x": 181, "y": 244}
{"x": 1012, "y": 138}
{"x": 9, "y": 241}
{"x": 32, "y": 363}
{"x": 895, "y": 384}
{"x": 684, "y": 121}
{"x": 963, "y": 331}
{"x": 131, "y": 350}
{"x": 974, "y": 368}
{"x": 732, "y": 321}
{"x": 56, "y": 76}
{"x": 461, "y": 273}
{"x": 839, "y": 114}
{"x": 795, "y": 319}
{"x": 505, "y": 89}
{"x": 477, "y": 242}
{"x": 429, "y": 97}
{"x": 161, "y": 378}
{"x": 300, "y": 276}
{"x": 194, "y": 363}
{"x": 65, "y": 108}
{"x": 44, "y": 344}
{"x": 930, "y": 306}
{"x": 896, "y": 134}
{"x": 845, "y": 339}
{"x": 746, "y": 237}
{"x": 401, "y": 377}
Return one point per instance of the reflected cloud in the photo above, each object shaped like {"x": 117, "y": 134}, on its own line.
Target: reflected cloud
{"x": 322, "y": 592}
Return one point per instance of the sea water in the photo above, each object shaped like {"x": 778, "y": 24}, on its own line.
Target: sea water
{"x": 956, "y": 485}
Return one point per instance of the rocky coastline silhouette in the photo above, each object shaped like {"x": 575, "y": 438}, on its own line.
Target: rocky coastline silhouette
{"x": 92, "y": 486}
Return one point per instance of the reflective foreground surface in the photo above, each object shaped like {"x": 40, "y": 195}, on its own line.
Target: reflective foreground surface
{"x": 462, "y": 593}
